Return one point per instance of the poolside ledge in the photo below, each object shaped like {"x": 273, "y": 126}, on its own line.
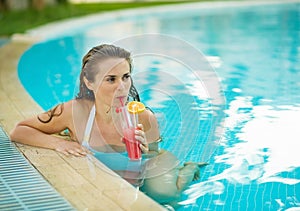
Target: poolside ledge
{"x": 85, "y": 182}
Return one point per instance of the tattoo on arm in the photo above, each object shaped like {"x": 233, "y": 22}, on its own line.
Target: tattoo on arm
{"x": 56, "y": 111}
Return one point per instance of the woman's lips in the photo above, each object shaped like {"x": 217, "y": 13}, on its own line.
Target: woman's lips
{"x": 121, "y": 97}
{"x": 121, "y": 100}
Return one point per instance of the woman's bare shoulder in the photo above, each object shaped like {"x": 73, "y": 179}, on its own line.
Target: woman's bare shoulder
{"x": 79, "y": 105}
{"x": 78, "y": 110}
{"x": 147, "y": 116}
{"x": 149, "y": 121}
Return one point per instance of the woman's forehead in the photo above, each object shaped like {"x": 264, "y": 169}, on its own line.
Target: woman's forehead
{"x": 114, "y": 66}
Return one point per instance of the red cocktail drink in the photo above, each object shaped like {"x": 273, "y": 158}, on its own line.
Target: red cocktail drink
{"x": 127, "y": 117}
{"x": 132, "y": 145}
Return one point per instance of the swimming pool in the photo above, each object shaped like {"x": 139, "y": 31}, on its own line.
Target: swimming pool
{"x": 256, "y": 52}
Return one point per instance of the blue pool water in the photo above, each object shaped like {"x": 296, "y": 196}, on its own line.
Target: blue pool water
{"x": 255, "y": 51}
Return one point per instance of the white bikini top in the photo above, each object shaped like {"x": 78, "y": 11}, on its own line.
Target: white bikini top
{"x": 88, "y": 128}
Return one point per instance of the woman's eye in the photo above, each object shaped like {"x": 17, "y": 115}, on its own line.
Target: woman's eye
{"x": 111, "y": 79}
{"x": 126, "y": 77}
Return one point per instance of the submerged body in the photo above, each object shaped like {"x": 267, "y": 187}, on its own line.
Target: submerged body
{"x": 165, "y": 179}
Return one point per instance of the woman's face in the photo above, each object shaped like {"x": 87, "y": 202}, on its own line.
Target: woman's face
{"x": 112, "y": 83}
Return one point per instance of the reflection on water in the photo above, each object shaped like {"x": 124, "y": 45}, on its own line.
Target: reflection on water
{"x": 274, "y": 130}
{"x": 260, "y": 147}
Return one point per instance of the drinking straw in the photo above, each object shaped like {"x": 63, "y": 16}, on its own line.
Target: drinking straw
{"x": 135, "y": 116}
{"x": 124, "y": 113}
{"x": 121, "y": 101}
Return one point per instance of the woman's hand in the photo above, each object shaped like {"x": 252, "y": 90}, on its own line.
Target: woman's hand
{"x": 71, "y": 148}
{"x": 141, "y": 137}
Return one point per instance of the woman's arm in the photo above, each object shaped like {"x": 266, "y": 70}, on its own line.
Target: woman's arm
{"x": 151, "y": 130}
{"x": 38, "y": 131}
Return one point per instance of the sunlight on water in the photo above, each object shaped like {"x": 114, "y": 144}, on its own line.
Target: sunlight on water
{"x": 276, "y": 130}
{"x": 268, "y": 146}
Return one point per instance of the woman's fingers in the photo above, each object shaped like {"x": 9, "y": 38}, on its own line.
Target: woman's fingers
{"x": 140, "y": 127}
{"x": 84, "y": 151}
{"x": 63, "y": 152}
{"x": 145, "y": 149}
{"x": 141, "y": 137}
{"x": 79, "y": 152}
{"x": 72, "y": 148}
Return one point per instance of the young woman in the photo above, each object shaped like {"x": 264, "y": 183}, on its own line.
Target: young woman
{"x": 105, "y": 82}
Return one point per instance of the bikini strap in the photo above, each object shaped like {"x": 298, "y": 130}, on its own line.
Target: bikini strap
{"x": 89, "y": 126}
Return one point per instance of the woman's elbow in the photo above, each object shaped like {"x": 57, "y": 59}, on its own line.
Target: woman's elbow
{"x": 16, "y": 132}
{"x": 13, "y": 134}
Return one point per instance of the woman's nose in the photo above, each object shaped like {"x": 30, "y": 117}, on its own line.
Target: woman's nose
{"x": 121, "y": 85}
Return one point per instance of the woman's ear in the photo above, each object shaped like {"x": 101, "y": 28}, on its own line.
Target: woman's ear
{"x": 88, "y": 84}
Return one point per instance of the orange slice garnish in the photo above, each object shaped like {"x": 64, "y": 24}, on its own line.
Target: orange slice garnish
{"x": 135, "y": 107}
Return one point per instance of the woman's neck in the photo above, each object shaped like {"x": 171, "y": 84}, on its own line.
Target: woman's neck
{"x": 103, "y": 113}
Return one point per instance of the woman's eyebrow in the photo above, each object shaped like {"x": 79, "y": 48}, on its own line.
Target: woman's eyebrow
{"x": 116, "y": 75}
{"x": 110, "y": 76}
{"x": 113, "y": 76}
